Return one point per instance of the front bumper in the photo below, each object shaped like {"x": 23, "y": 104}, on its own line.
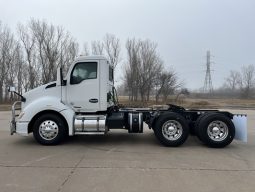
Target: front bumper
{"x": 12, "y": 127}
{"x": 15, "y": 113}
{"x": 20, "y": 128}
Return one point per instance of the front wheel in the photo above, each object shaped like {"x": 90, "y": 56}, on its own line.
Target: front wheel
{"x": 49, "y": 129}
{"x": 171, "y": 129}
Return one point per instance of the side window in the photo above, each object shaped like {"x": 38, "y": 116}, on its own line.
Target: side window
{"x": 110, "y": 73}
{"x": 83, "y": 71}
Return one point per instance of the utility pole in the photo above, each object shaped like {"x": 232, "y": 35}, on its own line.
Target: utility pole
{"x": 208, "y": 88}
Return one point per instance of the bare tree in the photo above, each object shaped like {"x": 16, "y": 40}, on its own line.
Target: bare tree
{"x": 232, "y": 80}
{"x": 131, "y": 70}
{"x": 33, "y": 59}
{"x": 144, "y": 63}
{"x": 24, "y": 78}
{"x": 19, "y": 63}
{"x": 183, "y": 91}
{"x": 150, "y": 66}
{"x": 54, "y": 48}
{"x": 247, "y": 81}
{"x": 14, "y": 77}
{"x": 68, "y": 51}
{"x": 97, "y": 47}
{"x": 112, "y": 47}
{"x": 7, "y": 51}
{"x": 86, "y": 51}
{"x": 51, "y": 38}
{"x": 28, "y": 41}
{"x": 166, "y": 84}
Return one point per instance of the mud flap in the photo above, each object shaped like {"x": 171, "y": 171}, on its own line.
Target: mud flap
{"x": 240, "y": 122}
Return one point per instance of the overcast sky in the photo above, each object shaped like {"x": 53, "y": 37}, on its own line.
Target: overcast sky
{"x": 183, "y": 29}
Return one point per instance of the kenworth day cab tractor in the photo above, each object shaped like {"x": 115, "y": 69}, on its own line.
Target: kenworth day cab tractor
{"x": 85, "y": 103}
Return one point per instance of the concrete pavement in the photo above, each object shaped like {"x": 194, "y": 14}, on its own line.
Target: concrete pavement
{"x": 124, "y": 162}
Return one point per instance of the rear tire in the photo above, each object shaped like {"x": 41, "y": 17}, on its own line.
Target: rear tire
{"x": 216, "y": 130}
{"x": 171, "y": 129}
{"x": 197, "y": 124}
{"x": 49, "y": 129}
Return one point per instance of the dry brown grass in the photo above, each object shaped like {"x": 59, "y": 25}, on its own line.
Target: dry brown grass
{"x": 196, "y": 103}
{"x": 5, "y": 107}
{"x": 187, "y": 103}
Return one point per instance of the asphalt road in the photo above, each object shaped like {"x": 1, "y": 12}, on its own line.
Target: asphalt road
{"x": 120, "y": 162}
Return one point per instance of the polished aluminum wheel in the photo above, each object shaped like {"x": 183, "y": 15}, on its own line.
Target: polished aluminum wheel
{"x": 48, "y": 130}
{"x": 172, "y": 130}
{"x": 217, "y": 130}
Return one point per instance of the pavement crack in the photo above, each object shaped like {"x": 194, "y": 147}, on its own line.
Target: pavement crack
{"x": 73, "y": 168}
{"x": 70, "y": 174}
{"x": 115, "y": 150}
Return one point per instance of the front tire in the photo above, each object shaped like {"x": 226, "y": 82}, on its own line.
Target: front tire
{"x": 171, "y": 129}
{"x": 49, "y": 129}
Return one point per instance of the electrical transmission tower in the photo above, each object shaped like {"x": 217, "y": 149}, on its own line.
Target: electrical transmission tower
{"x": 208, "y": 88}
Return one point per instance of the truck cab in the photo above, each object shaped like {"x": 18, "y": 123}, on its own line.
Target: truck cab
{"x": 89, "y": 85}
{"x": 82, "y": 97}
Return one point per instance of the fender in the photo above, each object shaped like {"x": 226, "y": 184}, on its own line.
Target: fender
{"x": 47, "y": 103}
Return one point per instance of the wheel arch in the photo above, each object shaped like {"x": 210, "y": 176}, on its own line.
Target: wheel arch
{"x": 31, "y": 123}
{"x": 162, "y": 115}
{"x": 155, "y": 119}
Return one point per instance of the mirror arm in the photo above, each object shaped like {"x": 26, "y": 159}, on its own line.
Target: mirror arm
{"x": 23, "y": 99}
{"x": 63, "y": 82}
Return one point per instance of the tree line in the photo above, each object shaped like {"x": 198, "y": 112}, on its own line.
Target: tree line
{"x": 30, "y": 57}
{"x": 145, "y": 72}
{"x": 240, "y": 83}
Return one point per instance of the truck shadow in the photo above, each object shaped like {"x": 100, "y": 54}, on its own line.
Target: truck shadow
{"x": 113, "y": 139}
{"x": 124, "y": 139}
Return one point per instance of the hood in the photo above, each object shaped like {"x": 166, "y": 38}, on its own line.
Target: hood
{"x": 47, "y": 90}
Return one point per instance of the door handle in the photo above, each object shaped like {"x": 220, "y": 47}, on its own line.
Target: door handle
{"x": 93, "y": 100}
{"x": 77, "y": 107}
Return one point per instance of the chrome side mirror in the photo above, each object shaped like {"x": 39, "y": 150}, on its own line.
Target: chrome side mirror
{"x": 11, "y": 89}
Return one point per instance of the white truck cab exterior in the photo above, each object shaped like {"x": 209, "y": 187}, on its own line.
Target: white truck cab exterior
{"x": 88, "y": 88}
{"x": 88, "y": 82}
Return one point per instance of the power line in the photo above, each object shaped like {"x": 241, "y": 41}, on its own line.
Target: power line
{"x": 208, "y": 87}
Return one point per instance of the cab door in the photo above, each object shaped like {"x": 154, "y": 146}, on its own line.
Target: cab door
{"x": 82, "y": 91}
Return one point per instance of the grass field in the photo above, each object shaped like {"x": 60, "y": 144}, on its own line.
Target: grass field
{"x": 187, "y": 103}
{"x": 196, "y": 103}
{"x": 5, "y": 107}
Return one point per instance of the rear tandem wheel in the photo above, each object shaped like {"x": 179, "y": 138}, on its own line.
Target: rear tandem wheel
{"x": 171, "y": 129}
{"x": 215, "y": 130}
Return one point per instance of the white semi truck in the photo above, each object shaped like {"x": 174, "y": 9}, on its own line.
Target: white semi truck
{"x": 85, "y": 103}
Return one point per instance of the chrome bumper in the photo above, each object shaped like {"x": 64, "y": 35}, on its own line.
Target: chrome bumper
{"x": 15, "y": 108}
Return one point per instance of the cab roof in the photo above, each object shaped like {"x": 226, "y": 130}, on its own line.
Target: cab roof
{"x": 91, "y": 57}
